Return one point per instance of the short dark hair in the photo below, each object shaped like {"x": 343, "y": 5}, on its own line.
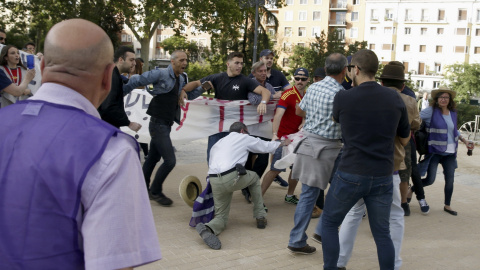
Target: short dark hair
{"x": 335, "y": 64}
{"x": 237, "y": 127}
{"x": 29, "y": 43}
{"x": 122, "y": 52}
{"x": 367, "y": 60}
{"x": 393, "y": 83}
{"x": 233, "y": 55}
{"x": 2, "y": 31}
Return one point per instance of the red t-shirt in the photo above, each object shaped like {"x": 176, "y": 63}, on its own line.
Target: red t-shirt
{"x": 290, "y": 121}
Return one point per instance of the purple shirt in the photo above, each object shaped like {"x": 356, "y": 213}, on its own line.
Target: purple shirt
{"x": 116, "y": 221}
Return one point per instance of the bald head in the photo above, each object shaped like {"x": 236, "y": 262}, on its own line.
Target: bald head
{"x": 77, "y": 54}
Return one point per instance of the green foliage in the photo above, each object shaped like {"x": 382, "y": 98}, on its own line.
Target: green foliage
{"x": 194, "y": 52}
{"x": 198, "y": 70}
{"x": 466, "y": 113}
{"x": 464, "y": 79}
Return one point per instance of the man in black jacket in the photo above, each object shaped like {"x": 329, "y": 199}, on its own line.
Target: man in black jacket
{"x": 112, "y": 109}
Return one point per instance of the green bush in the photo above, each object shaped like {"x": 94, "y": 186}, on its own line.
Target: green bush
{"x": 466, "y": 113}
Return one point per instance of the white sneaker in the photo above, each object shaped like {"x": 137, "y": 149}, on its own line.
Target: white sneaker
{"x": 424, "y": 206}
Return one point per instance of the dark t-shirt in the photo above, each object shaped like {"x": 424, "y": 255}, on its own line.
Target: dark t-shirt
{"x": 276, "y": 79}
{"x": 231, "y": 88}
{"x": 370, "y": 116}
{"x": 165, "y": 106}
{"x": 4, "y": 81}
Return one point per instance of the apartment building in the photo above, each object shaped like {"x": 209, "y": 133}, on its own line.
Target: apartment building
{"x": 425, "y": 35}
{"x": 301, "y": 20}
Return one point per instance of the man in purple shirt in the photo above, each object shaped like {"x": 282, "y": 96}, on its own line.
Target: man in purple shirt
{"x": 72, "y": 192}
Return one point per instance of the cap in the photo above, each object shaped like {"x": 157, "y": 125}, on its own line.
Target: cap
{"x": 320, "y": 72}
{"x": 266, "y": 52}
{"x": 301, "y": 71}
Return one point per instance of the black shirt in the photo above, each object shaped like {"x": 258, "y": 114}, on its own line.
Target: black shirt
{"x": 231, "y": 88}
{"x": 276, "y": 79}
{"x": 165, "y": 106}
{"x": 370, "y": 117}
{"x": 112, "y": 110}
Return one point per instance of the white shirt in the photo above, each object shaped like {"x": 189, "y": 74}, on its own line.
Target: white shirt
{"x": 425, "y": 104}
{"x": 115, "y": 219}
{"x": 234, "y": 148}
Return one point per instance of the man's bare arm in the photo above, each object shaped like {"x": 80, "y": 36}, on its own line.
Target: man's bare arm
{"x": 299, "y": 111}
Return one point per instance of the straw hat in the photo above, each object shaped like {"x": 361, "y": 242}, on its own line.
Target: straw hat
{"x": 443, "y": 89}
{"x": 189, "y": 189}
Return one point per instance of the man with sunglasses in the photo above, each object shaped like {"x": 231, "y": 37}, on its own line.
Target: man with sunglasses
{"x": 3, "y": 36}
{"x": 286, "y": 122}
{"x": 316, "y": 153}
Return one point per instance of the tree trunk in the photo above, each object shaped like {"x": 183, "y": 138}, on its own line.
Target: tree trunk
{"x": 144, "y": 52}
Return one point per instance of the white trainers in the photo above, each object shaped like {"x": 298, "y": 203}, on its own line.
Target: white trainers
{"x": 424, "y": 206}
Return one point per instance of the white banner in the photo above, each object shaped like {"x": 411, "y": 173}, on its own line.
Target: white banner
{"x": 37, "y": 80}
{"x": 200, "y": 118}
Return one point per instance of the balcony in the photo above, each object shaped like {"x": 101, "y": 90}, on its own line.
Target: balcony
{"x": 337, "y": 23}
{"x": 339, "y": 6}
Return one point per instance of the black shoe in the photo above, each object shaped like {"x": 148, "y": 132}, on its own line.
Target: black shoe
{"x": 306, "y": 250}
{"x": 317, "y": 238}
{"x": 246, "y": 193}
{"x": 160, "y": 198}
{"x": 279, "y": 180}
{"x": 261, "y": 223}
{"x": 406, "y": 209}
{"x": 451, "y": 212}
{"x": 208, "y": 236}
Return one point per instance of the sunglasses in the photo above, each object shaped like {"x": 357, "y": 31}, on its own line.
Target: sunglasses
{"x": 300, "y": 79}
{"x": 2, "y": 38}
{"x": 349, "y": 67}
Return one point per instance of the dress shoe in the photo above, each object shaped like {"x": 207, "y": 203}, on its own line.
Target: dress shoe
{"x": 451, "y": 212}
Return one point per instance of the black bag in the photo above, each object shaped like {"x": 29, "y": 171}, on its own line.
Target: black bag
{"x": 421, "y": 140}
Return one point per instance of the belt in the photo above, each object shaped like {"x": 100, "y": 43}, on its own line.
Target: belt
{"x": 160, "y": 121}
{"x": 222, "y": 174}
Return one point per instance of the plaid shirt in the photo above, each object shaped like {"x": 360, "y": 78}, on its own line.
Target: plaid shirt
{"x": 318, "y": 104}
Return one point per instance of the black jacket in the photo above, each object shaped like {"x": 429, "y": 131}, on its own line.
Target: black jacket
{"x": 112, "y": 110}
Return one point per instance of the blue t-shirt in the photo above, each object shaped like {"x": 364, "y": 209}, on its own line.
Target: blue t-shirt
{"x": 370, "y": 117}
{"x": 4, "y": 81}
{"x": 276, "y": 79}
{"x": 407, "y": 91}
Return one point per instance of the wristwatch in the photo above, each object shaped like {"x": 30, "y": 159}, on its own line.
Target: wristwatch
{"x": 264, "y": 102}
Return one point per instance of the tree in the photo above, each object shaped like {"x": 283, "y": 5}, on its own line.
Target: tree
{"x": 464, "y": 79}
{"x": 194, "y": 52}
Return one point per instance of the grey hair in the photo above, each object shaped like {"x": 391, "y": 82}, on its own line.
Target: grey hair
{"x": 174, "y": 55}
{"x": 237, "y": 127}
{"x": 257, "y": 65}
{"x": 335, "y": 64}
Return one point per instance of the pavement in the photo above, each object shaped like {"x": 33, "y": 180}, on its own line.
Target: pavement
{"x": 436, "y": 241}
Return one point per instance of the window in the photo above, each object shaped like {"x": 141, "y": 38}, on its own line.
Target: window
{"x": 271, "y": 20}
{"x": 288, "y": 31}
{"x": 408, "y": 15}
{"x": 159, "y": 38}
{"x": 420, "y": 82}
{"x": 406, "y": 47}
{"x": 371, "y": 47}
{"x": 436, "y": 84}
{"x": 139, "y": 51}
{"x": 289, "y": 2}
{"x": 405, "y": 64}
{"x": 303, "y": 2}
{"x": 271, "y": 31}
{"x": 462, "y": 14}
{"x": 388, "y": 47}
{"x": 354, "y": 32}
{"x": 302, "y": 15}
{"x": 476, "y": 50}
{"x": 461, "y": 49}
{"x": 129, "y": 38}
{"x": 424, "y": 16}
{"x": 302, "y": 32}
{"x": 316, "y": 15}
{"x": 373, "y": 30}
{"x": 301, "y": 44}
{"x": 438, "y": 67}
{"x": 289, "y": 15}
{"x": 478, "y": 15}
{"x": 477, "y": 32}
{"x": 441, "y": 15}
{"x": 354, "y": 16}
{"x": 408, "y": 30}
{"x": 438, "y": 49}
{"x": 440, "y": 31}
{"x": 124, "y": 38}
{"x": 317, "y": 2}
{"x": 389, "y": 30}
{"x": 356, "y": 2}
{"x": 285, "y": 62}
{"x": 341, "y": 34}
{"x": 423, "y": 48}
{"x": 388, "y": 15}
{"x": 423, "y": 31}
{"x": 462, "y": 31}
{"x": 373, "y": 15}
{"x": 287, "y": 46}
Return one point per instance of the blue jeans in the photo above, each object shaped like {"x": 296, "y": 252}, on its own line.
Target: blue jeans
{"x": 303, "y": 213}
{"x": 160, "y": 147}
{"x": 449, "y": 164}
{"x": 346, "y": 189}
